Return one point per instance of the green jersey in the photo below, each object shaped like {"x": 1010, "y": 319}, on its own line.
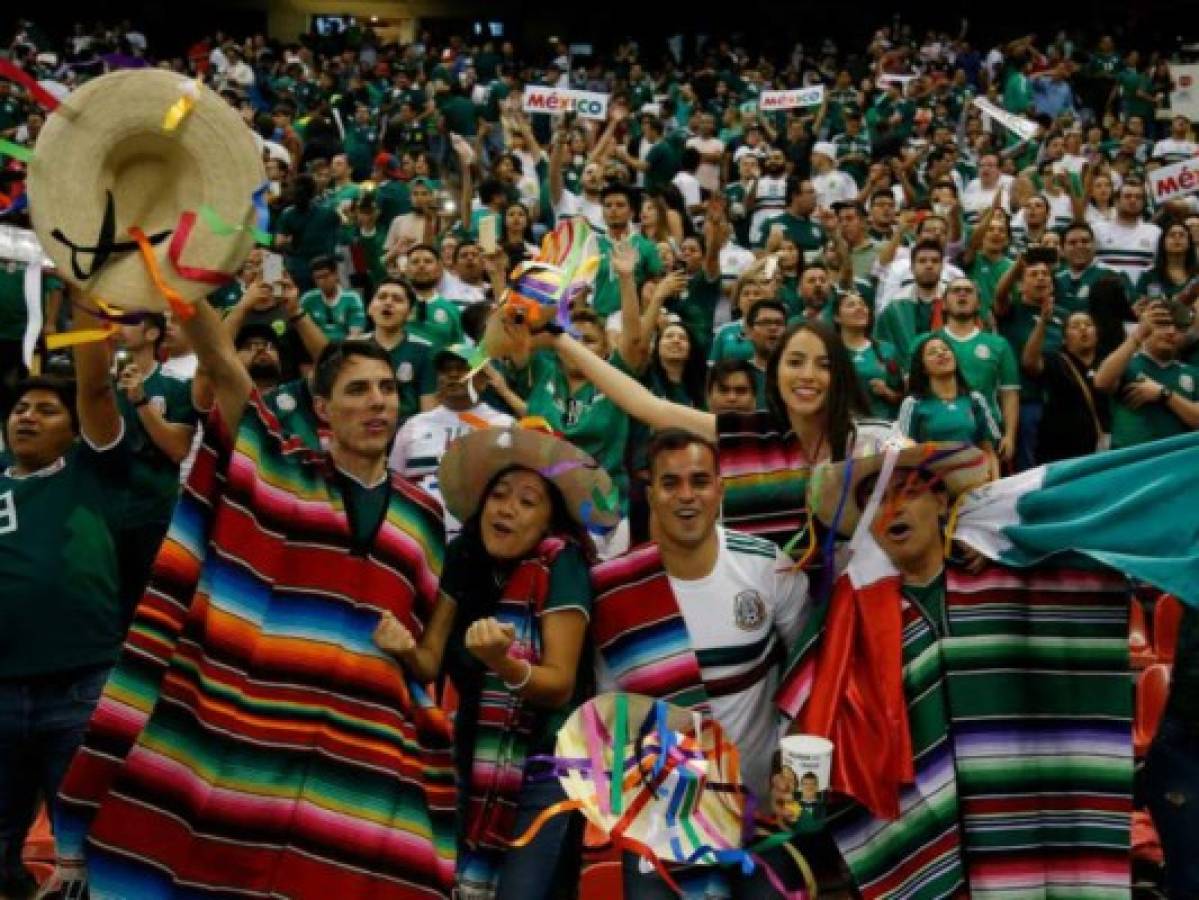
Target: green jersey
{"x": 1016, "y": 328}
{"x": 413, "y": 363}
{"x": 337, "y": 319}
{"x": 291, "y": 403}
{"x": 361, "y": 142}
{"x": 1153, "y": 285}
{"x": 313, "y": 232}
{"x": 585, "y": 417}
{"x": 986, "y": 272}
{"x": 853, "y": 155}
{"x": 877, "y": 361}
{"x": 1153, "y": 420}
{"x": 964, "y": 419}
{"x": 696, "y": 306}
{"x": 59, "y": 588}
{"x": 731, "y": 343}
{"x": 13, "y": 313}
{"x": 437, "y": 322}
{"x": 153, "y": 476}
{"x": 807, "y": 235}
{"x": 394, "y": 200}
{"x": 607, "y": 286}
{"x": 1072, "y": 293}
{"x": 902, "y": 323}
{"x": 663, "y": 166}
{"x": 459, "y": 114}
{"x": 988, "y": 364}
{"x": 337, "y": 197}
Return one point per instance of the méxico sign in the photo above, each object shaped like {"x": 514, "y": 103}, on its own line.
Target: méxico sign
{"x": 555, "y": 101}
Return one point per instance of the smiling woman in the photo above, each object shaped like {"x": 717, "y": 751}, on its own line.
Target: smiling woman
{"x": 513, "y": 646}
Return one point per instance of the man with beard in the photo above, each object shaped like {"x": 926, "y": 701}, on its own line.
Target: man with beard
{"x": 894, "y": 267}
{"x": 433, "y": 318}
{"x": 907, "y": 317}
{"x": 768, "y": 197}
{"x": 259, "y": 349}
{"x": 985, "y": 360}
{"x": 617, "y": 200}
{"x": 815, "y": 289}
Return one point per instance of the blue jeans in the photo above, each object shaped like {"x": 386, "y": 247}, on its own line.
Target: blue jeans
{"x": 534, "y": 871}
{"x": 1172, "y": 782}
{"x": 42, "y": 722}
{"x": 1026, "y": 434}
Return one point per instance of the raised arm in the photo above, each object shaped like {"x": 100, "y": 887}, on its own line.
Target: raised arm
{"x": 634, "y": 343}
{"x": 96, "y": 398}
{"x": 1032, "y": 358}
{"x": 231, "y": 382}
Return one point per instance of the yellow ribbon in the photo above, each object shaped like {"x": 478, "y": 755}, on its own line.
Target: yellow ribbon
{"x": 952, "y": 524}
{"x": 83, "y": 336}
{"x": 190, "y": 93}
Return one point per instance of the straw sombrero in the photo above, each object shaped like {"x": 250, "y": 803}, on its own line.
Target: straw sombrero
{"x": 677, "y": 786}
{"x": 832, "y": 489}
{"x": 475, "y": 458}
{"x": 107, "y": 160}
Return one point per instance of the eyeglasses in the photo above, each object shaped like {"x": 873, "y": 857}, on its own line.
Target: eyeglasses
{"x": 769, "y": 323}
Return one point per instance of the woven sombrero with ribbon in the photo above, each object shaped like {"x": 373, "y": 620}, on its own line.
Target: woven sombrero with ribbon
{"x": 143, "y": 188}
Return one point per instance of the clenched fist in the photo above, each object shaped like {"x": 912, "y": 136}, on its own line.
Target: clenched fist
{"x": 488, "y": 640}
{"x": 392, "y": 637}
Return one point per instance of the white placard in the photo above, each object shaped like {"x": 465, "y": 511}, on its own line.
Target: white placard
{"x": 768, "y": 101}
{"x": 1025, "y": 128}
{"x": 555, "y": 101}
{"x": 1177, "y": 180}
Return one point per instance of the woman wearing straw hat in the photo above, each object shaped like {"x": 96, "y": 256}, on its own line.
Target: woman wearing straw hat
{"x": 518, "y": 578}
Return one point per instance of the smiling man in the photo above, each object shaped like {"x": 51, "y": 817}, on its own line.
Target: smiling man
{"x": 258, "y": 624}
{"x": 700, "y": 616}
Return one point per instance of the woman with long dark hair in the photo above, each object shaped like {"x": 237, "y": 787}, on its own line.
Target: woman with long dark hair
{"x": 1175, "y": 271}
{"x": 875, "y": 361}
{"x": 815, "y": 413}
{"x": 517, "y": 240}
{"x": 305, "y": 230}
{"x": 940, "y": 405}
{"x": 516, "y": 585}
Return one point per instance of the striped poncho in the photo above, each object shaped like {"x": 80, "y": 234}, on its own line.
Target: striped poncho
{"x": 1020, "y": 728}
{"x": 252, "y": 740}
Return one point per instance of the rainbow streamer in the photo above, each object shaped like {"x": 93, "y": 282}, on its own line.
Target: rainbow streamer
{"x": 563, "y": 269}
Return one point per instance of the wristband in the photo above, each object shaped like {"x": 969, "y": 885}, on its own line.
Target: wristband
{"x": 293, "y": 319}
{"x": 1165, "y": 395}
{"x": 524, "y": 682}
{"x": 550, "y": 328}
{"x": 138, "y": 404}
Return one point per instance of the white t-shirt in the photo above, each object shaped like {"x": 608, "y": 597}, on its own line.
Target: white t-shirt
{"x": 1169, "y": 150}
{"x": 976, "y": 198}
{"x": 454, "y": 288}
{"x": 896, "y": 280}
{"x": 771, "y": 200}
{"x": 423, "y": 440}
{"x": 834, "y": 186}
{"x": 708, "y": 173}
{"x": 571, "y": 205}
{"x": 749, "y": 609}
{"x": 689, "y": 187}
{"x": 1129, "y": 250}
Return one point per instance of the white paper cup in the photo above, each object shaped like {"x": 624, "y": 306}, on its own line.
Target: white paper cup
{"x": 808, "y": 754}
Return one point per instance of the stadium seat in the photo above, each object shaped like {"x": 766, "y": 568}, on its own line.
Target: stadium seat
{"x": 1167, "y": 615}
{"x": 1153, "y": 687}
{"x": 1140, "y": 649}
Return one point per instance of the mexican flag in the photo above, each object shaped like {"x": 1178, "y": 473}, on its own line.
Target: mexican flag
{"x": 1135, "y": 510}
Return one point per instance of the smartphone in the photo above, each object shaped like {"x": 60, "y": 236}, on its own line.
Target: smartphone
{"x": 272, "y": 271}
{"x": 488, "y": 233}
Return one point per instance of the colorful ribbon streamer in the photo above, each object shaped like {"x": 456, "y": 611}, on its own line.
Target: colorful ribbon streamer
{"x": 178, "y": 305}
{"x": 14, "y": 73}
{"x": 221, "y": 228}
{"x": 33, "y": 312}
{"x": 183, "y": 233}
{"x": 16, "y": 151}
{"x": 189, "y": 94}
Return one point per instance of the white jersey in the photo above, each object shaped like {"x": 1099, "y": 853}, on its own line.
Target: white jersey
{"x": 1127, "y": 249}
{"x": 976, "y": 199}
{"x": 771, "y": 201}
{"x": 1170, "y": 151}
{"x": 571, "y": 205}
{"x": 423, "y": 440}
{"x": 742, "y": 618}
{"x": 896, "y": 280}
{"x": 834, "y": 186}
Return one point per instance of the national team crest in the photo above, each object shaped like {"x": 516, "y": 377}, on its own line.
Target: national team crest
{"x": 749, "y": 610}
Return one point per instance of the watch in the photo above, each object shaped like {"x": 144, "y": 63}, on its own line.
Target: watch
{"x": 138, "y": 404}
{"x": 1165, "y": 394}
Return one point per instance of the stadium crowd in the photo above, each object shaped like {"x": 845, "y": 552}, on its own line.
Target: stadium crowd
{"x": 777, "y": 290}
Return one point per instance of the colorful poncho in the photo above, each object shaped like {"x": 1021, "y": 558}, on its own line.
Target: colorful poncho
{"x": 1018, "y": 725}
{"x": 252, "y": 739}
